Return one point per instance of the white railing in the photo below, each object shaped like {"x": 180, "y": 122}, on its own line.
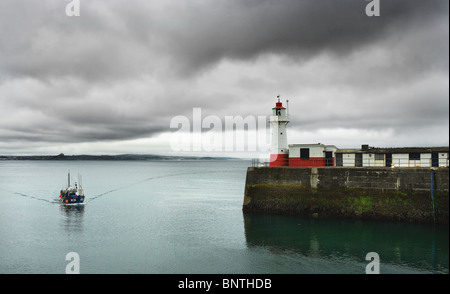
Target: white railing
{"x": 395, "y": 162}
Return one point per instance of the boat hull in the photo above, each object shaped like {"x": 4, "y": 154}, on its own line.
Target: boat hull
{"x": 76, "y": 199}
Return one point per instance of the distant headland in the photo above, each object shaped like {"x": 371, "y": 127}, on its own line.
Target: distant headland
{"x": 61, "y": 156}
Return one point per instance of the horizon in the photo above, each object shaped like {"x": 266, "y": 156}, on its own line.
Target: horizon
{"x": 200, "y": 154}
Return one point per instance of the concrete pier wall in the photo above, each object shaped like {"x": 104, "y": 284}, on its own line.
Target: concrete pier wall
{"x": 401, "y": 194}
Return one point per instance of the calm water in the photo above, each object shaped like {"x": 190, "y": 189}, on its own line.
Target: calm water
{"x": 185, "y": 217}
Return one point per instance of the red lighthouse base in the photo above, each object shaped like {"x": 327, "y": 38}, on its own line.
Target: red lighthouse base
{"x": 279, "y": 160}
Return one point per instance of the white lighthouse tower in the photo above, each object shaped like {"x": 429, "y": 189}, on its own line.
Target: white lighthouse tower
{"x": 279, "y": 150}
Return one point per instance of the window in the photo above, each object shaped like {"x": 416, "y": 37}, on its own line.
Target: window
{"x": 304, "y": 153}
{"x": 339, "y": 159}
{"x": 379, "y": 156}
{"x": 414, "y": 156}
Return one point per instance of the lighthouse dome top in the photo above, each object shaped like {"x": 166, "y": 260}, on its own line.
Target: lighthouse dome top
{"x": 279, "y": 104}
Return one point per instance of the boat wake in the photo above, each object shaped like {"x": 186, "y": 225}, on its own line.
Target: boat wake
{"x": 56, "y": 201}
{"x": 133, "y": 184}
{"x": 21, "y": 194}
{"x": 150, "y": 179}
{"x": 35, "y": 198}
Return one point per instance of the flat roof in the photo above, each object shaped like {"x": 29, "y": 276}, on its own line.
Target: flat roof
{"x": 311, "y": 145}
{"x": 396, "y": 150}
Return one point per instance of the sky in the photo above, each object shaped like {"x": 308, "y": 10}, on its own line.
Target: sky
{"x": 114, "y": 79}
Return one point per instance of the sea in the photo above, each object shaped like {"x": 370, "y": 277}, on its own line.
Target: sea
{"x": 185, "y": 217}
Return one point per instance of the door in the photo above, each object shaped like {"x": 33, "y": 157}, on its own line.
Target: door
{"x": 358, "y": 159}
{"x": 435, "y": 159}
{"x": 388, "y": 159}
{"x": 328, "y": 158}
{"x": 339, "y": 159}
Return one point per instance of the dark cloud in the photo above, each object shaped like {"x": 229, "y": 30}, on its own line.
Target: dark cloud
{"x": 113, "y": 39}
{"x": 123, "y": 69}
{"x": 201, "y": 34}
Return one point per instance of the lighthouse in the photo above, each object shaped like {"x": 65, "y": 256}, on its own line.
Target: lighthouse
{"x": 279, "y": 150}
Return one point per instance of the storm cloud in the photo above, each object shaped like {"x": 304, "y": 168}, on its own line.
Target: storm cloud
{"x": 122, "y": 69}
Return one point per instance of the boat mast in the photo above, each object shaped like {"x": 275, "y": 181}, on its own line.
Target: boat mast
{"x": 68, "y": 178}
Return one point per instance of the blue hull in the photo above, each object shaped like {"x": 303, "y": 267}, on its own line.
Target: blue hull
{"x": 72, "y": 199}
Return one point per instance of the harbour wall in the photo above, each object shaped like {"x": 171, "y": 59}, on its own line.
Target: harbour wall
{"x": 397, "y": 194}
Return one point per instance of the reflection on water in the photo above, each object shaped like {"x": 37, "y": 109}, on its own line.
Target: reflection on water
{"x": 423, "y": 247}
{"x": 72, "y": 216}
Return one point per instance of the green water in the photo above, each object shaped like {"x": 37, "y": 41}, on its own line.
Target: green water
{"x": 186, "y": 217}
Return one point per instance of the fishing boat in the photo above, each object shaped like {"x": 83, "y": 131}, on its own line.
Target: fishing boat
{"x": 72, "y": 195}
